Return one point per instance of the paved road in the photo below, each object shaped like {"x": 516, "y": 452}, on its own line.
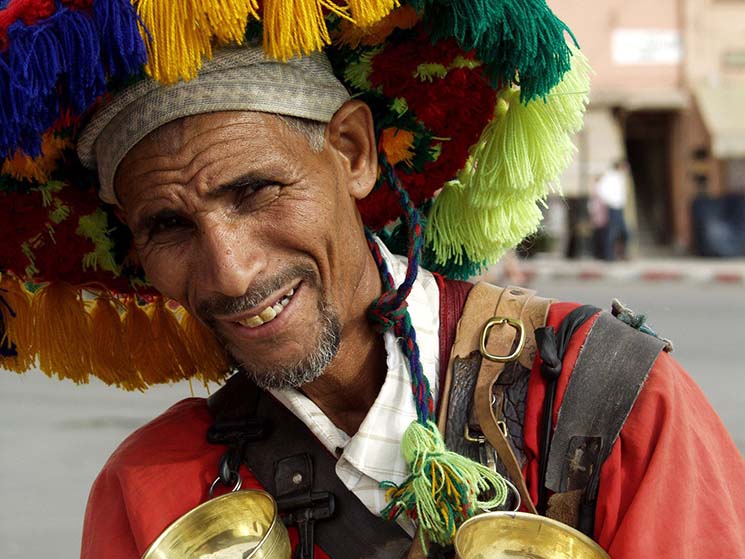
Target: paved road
{"x": 54, "y": 437}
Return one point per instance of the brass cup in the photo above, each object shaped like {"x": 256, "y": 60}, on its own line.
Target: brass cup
{"x": 519, "y": 535}
{"x": 242, "y": 524}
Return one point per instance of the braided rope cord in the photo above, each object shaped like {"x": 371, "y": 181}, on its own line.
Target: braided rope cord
{"x": 390, "y": 309}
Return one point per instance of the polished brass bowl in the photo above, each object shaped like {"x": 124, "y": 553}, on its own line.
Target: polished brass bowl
{"x": 238, "y": 525}
{"x": 518, "y": 535}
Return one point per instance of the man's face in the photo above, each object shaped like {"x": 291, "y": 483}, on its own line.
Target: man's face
{"x": 235, "y": 217}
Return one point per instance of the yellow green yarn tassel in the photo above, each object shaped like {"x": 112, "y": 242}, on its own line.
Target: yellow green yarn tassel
{"x": 494, "y": 203}
{"x": 443, "y": 489}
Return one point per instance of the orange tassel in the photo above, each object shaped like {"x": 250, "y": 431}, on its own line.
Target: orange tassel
{"x": 19, "y": 328}
{"x": 110, "y": 359}
{"x": 36, "y": 169}
{"x": 138, "y": 338}
{"x": 59, "y": 317}
{"x": 209, "y": 357}
{"x": 175, "y": 362}
{"x": 398, "y": 145}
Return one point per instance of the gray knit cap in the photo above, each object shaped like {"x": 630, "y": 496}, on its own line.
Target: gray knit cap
{"x": 236, "y": 79}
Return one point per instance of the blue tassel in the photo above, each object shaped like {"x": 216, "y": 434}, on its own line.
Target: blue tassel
{"x": 62, "y": 62}
{"x": 122, "y": 48}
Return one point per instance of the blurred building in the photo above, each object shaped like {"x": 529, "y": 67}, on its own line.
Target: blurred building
{"x": 668, "y": 95}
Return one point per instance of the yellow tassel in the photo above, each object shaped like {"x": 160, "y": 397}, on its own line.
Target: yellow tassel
{"x": 296, "y": 27}
{"x": 110, "y": 360}
{"x": 209, "y": 356}
{"x": 178, "y": 34}
{"x": 19, "y": 328}
{"x": 366, "y": 13}
{"x": 138, "y": 340}
{"x": 62, "y": 332}
{"x": 174, "y": 359}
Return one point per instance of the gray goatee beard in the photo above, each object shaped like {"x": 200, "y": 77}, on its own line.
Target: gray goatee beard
{"x": 295, "y": 374}
{"x": 307, "y": 369}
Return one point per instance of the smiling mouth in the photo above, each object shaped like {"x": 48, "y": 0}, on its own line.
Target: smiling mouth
{"x": 269, "y": 313}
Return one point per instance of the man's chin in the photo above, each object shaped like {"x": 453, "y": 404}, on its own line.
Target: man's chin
{"x": 281, "y": 378}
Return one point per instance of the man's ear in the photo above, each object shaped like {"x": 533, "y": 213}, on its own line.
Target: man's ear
{"x": 351, "y": 134}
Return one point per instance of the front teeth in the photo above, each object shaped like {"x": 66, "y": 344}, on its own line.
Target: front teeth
{"x": 269, "y": 313}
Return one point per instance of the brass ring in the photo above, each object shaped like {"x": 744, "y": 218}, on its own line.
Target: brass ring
{"x": 499, "y": 320}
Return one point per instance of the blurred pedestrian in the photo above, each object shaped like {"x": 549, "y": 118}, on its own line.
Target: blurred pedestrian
{"x": 611, "y": 193}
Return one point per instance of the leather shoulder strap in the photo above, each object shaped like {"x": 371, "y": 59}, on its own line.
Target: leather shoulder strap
{"x": 374, "y": 537}
{"x": 611, "y": 369}
{"x": 517, "y": 313}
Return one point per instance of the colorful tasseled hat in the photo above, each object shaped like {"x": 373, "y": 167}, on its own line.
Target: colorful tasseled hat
{"x": 474, "y": 101}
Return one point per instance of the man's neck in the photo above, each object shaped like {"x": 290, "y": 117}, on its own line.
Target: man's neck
{"x": 352, "y": 381}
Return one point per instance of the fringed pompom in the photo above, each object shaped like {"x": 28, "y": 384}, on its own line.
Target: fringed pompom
{"x": 179, "y": 34}
{"x": 59, "y": 316}
{"x": 494, "y": 204}
{"x": 209, "y": 357}
{"x": 110, "y": 360}
{"x": 18, "y": 326}
{"x": 443, "y": 488}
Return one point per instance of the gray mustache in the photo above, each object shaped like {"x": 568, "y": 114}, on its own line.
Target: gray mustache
{"x": 220, "y": 305}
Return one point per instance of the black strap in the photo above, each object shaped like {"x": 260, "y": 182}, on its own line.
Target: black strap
{"x": 352, "y": 531}
{"x": 610, "y": 371}
{"x": 552, "y": 345}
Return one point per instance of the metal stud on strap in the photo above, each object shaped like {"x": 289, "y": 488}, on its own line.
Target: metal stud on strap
{"x": 496, "y": 321}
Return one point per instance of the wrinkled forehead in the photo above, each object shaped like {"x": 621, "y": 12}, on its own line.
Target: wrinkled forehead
{"x": 236, "y": 79}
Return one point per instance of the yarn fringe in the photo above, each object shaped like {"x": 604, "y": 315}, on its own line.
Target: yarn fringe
{"x": 64, "y": 315}
{"x": 444, "y": 488}
{"x": 204, "y": 349}
{"x": 495, "y": 202}
{"x": 131, "y": 346}
{"x": 110, "y": 360}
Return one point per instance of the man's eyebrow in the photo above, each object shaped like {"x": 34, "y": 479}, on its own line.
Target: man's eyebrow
{"x": 249, "y": 180}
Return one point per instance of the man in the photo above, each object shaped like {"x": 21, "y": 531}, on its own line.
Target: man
{"x": 611, "y": 193}
{"x": 248, "y": 217}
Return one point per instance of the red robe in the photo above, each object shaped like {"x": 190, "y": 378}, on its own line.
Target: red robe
{"x": 673, "y": 486}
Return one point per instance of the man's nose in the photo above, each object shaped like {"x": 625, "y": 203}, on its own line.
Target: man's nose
{"x": 229, "y": 261}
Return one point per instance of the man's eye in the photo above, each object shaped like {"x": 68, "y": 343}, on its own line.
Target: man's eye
{"x": 163, "y": 225}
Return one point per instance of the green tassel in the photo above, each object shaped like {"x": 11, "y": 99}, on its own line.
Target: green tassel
{"x": 443, "y": 488}
{"x": 495, "y": 202}
{"x": 519, "y": 41}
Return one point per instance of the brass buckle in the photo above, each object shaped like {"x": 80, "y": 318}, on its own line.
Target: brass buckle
{"x": 496, "y": 321}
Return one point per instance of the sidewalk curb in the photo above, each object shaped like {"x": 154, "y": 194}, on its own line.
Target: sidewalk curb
{"x": 653, "y": 271}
